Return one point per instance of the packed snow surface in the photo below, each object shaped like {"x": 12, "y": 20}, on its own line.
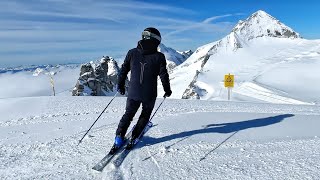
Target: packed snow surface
{"x": 191, "y": 139}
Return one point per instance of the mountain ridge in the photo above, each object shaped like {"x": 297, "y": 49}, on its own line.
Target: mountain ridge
{"x": 201, "y": 76}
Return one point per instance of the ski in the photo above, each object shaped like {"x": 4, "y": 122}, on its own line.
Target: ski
{"x": 125, "y": 151}
{"x": 113, "y": 151}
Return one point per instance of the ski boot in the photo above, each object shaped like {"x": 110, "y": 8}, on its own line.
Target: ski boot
{"x": 118, "y": 142}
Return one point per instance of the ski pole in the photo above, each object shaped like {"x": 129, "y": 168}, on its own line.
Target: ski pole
{"x": 158, "y": 108}
{"x": 98, "y": 118}
{"x": 152, "y": 117}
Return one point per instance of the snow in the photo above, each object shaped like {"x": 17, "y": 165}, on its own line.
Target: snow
{"x": 173, "y": 57}
{"x": 299, "y": 75}
{"x": 268, "y": 66}
{"x": 171, "y": 54}
{"x": 113, "y": 69}
{"x": 268, "y": 130}
{"x": 283, "y": 71}
{"x": 191, "y": 139}
{"x": 183, "y": 74}
{"x": 37, "y": 72}
{"x": 261, "y": 24}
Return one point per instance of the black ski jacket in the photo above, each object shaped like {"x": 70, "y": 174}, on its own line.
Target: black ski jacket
{"x": 145, "y": 66}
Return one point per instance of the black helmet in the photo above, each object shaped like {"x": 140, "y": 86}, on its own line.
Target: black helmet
{"x": 151, "y": 32}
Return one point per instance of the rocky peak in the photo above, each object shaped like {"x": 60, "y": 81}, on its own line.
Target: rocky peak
{"x": 186, "y": 54}
{"x": 261, "y": 24}
{"x": 97, "y": 78}
{"x": 173, "y": 57}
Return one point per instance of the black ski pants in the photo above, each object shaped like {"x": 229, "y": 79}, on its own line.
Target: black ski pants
{"x": 132, "y": 107}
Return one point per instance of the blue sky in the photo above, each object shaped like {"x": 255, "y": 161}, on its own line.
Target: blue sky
{"x": 66, "y": 31}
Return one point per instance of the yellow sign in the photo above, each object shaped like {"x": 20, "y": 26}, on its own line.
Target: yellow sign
{"x": 228, "y": 80}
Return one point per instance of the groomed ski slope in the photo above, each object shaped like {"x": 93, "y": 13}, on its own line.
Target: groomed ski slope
{"x": 192, "y": 139}
{"x": 267, "y": 69}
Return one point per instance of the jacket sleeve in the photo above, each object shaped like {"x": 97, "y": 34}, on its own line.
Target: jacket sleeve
{"x": 125, "y": 68}
{"x": 164, "y": 76}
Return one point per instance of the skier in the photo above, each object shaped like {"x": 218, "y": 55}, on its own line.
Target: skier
{"x": 145, "y": 64}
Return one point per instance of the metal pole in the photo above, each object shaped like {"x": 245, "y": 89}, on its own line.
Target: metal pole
{"x": 54, "y": 92}
{"x": 158, "y": 108}
{"x": 98, "y": 118}
{"x": 52, "y": 84}
{"x": 152, "y": 117}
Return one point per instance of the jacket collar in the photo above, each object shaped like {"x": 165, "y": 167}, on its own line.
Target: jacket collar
{"x": 149, "y": 46}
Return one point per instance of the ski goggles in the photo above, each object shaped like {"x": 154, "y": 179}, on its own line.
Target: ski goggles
{"x": 148, "y": 35}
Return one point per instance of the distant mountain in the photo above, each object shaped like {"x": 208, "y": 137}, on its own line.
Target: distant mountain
{"x": 99, "y": 78}
{"x": 37, "y": 70}
{"x": 173, "y": 57}
{"x": 186, "y": 54}
{"x": 261, "y": 24}
{"x": 253, "y": 49}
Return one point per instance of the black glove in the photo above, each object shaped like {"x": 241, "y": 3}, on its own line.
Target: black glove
{"x": 121, "y": 90}
{"x": 167, "y": 93}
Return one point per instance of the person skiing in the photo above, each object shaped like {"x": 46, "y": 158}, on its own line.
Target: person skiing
{"x": 145, "y": 64}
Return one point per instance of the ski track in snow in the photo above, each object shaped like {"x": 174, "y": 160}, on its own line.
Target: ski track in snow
{"x": 184, "y": 144}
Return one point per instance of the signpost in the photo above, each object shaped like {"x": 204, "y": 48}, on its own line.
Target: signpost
{"x": 52, "y": 84}
{"x": 229, "y": 83}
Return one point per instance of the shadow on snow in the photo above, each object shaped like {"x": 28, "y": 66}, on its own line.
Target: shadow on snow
{"x": 233, "y": 127}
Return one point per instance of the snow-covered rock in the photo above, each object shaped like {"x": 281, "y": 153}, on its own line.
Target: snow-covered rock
{"x": 97, "y": 78}
{"x": 185, "y": 54}
{"x": 37, "y": 72}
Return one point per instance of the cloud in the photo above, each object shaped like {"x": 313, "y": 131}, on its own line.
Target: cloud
{"x": 37, "y": 10}
{"x": 23, "y": 84}
{"x": 213, "y": 18}
{"x": 52, "y": 31}
{"x": 204, "y": 25}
